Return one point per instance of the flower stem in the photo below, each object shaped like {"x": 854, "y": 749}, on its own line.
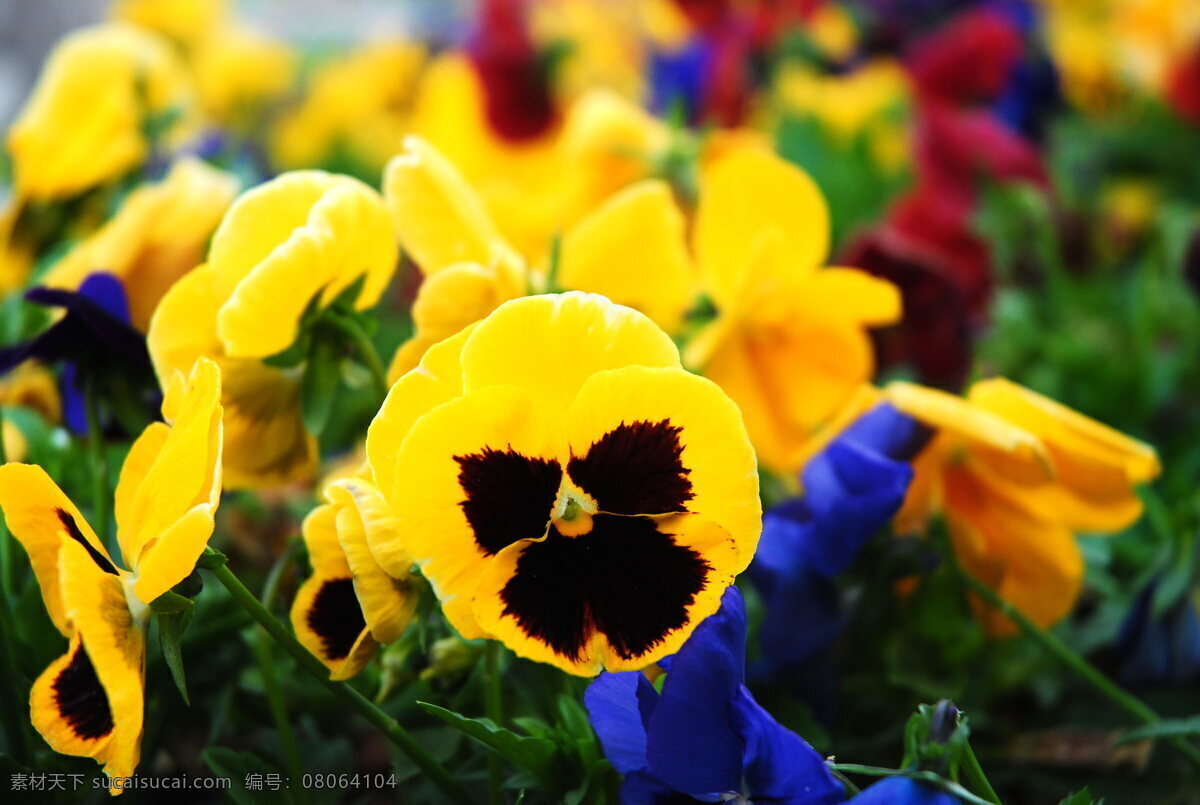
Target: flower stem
{"x": 266, "y": 665}
{"x": 975, "y": 775}
{"x": 16, "y": 713}
{"x": 362, "y": 705}
{"x": 364, "y": 350}
{"x": 100, "y": 486}
{"x": 494, "y": 710}
{"x": 1073, "y": 660}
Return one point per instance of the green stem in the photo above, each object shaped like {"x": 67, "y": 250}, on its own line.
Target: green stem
{"x": 100, "y": 486}
{"x": 1073, "y": 660}
{"x": 16, "y": 713}
{"x": 364, "y": 350}
{"x": 266, "y": 664}
{"x": 928, "y": 777}
{"x": 494, "y": 710}
{"x": 362, "y": 705}
{"x": 975, "y": 775}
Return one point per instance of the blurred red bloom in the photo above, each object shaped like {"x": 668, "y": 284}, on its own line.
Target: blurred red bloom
{"x": 518, "y": 98}
{"x": 969, "y": 60}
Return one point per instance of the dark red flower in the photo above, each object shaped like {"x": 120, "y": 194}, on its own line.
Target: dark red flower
{"x": 518, "y": 96}
{"x": 1183, "y": 87}
{"x": 956, "y": 147}
{"x": 968, "y": 60}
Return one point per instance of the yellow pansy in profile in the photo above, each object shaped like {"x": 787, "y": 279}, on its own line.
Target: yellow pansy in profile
{"x": 361, "y": 594}
{"x": 303, "y": 236}
{"x": 357, "y": 105}
{"x": 90, "y": 701}
{"x": 1016, "y": 476}
{"x": 630, "y": 248}
{"x": 789, "y": 343}
{"x": 84, "y": 125}
{"x": 31, "y": 385}
{"x": 566, "y": 486}
{"x": 157, "y": 235}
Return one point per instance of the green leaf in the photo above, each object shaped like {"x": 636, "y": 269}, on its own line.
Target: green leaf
{"x": 243, "y": 769}
{"x": 170, "y": 603}
{"x": 171, "y": 626}
{"x": 211, "y": 559}
{"x": 534, "y": 755}
{"x": 1080, "y": 797}
{"x": 1167, "y": 728}
{"x": 319, "y": 387}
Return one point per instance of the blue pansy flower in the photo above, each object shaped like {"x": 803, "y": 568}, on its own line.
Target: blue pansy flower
{"x": 94, "y": 342}
{"x": 704, "y": 737}
{"x": 851, "y": 489}
{"x": 903, "y": 791}
{"x": 677, "y": 78}
{"x": 1159, "y": 648}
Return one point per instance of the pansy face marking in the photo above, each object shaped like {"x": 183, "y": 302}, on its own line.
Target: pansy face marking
{"x": 337, "y": 617}
{"x": 74, "y": 533}
{"x": 81, "y": 698}
{"x": 596, "y": 560}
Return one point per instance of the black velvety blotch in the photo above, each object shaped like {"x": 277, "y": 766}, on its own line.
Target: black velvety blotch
{"x": 508, "y": 496}
{"x": 336, "y": 617}
{"x": 636, "y": 468}
{"x": 68, "y": 522}
{"x": 624, "y": 578}
{"x": 81, "y": 699}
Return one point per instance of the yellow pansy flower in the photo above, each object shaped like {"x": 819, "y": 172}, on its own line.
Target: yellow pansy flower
{"x": 302, "y": 236}
{"x": 31, "y": 385}
{"x": 237, "y": 70}
{"x": 90, "y": 701}
{"x": 1016, "y": 475}
{"x": 789, "y": 343}
{"x": 158, "y": 235}
{"x": 361, "y": 594}
{"x": 535, "y": 189}
{"x": 565, "y": 486}
{"x": 84, "y": 124}
{"x": 359, "y": 103}
{"x": 631, "y": 248}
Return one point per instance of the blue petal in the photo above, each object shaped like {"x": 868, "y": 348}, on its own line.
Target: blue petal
{"x": 618, "y": 706}
{"x": 903, "y": 791}
{"x": 691, "y": 742}
{"x": 851, "y": 492}
{"x": 780, "y": 767}
{"x": 885, "y": 430}
{"x": 106, "y": 291}
{"x": 74, "y": 404}
{"x": 804, "y": 618}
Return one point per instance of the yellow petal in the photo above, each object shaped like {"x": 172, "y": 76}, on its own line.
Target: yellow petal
{"x": 677, "y": 439}
{"x": 184, "y": 326}
{"x": 274, "y": 254}
{"x": 1032, "y": 563}
{"x": 328, "y": 621}
{"x": 1006, "y": 447}
{"x": 441, "y": 220}
{"x": 169, "y": 558}
{"x": 266, "y": 443}
{"x": 632, "y": 249}
{"x": 387, "y": 597}
{"x": 550, "y": 345}
{"x": 748, "y": 191}
{"x": 185, "y": 472}
{"x": 42, "y": 519}
{"x": 462, "y": 294}
{"x": 1066, "y": 432}
{"x": 320, "y": 537}
{"x": 115, "y": 643}
{"x": 438, "y": 379}
{"x": 847, "y": 293}
{"x": 496, "y": 429}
